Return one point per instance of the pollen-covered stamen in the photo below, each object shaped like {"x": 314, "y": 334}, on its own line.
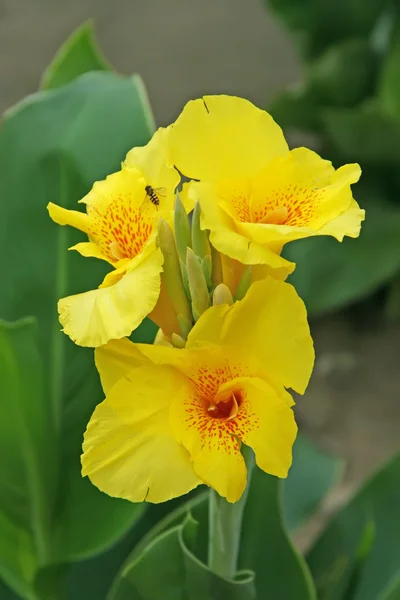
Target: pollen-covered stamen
{"x": 225, "y": 405}
{"x": 122, "y": 228}
{"x": 293, "y": 205}
{"x": 276, "y": 216}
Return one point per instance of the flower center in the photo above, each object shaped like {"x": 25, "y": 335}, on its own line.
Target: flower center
{"x": 122, "y": 229}
{"x": 276, "y": 216}
{"x": 225, "y": 405}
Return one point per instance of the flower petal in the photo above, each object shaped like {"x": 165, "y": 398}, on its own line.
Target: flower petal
{"x": 267, "y": 424}
{"x": 348, "y": 223}
{"x": 90, "y": 249}
{"x": 215, "y": 452}
{"x": 93, "y": 318}
{"x": 115, "y": 360}
{"x": 218, "y": 137}
{"x": 62, "y": 216}
{"x": 271, "y": 324}
{"x": 129, "y": 450}
{"x": 154, "y": 162}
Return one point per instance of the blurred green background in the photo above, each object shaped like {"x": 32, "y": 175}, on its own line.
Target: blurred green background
{"x": 329, "y": 71}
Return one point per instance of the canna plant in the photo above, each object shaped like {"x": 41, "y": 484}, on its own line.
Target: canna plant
{"x": 188, "y": 487}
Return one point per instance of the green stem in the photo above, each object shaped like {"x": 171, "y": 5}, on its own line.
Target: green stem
{"x": 225, "y": 527}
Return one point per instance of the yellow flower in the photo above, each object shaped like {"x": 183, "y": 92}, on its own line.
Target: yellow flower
{"x": 255, "y": 194}
{"x": 121, "y": 224}
{"x": 173, "y": 419}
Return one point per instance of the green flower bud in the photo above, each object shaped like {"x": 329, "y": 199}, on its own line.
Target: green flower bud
{"x": 172, "y": 273}
{"x": 222, "y": 295}
{"x": 185, "y": 325}
{"x": 200, "y": 244}
{"x": 197, "y": 284}
{"x": 216, "y": 269}
{"x": 244, "y": 283}
{"x": 178, "y": 341}
{"x": 183, "y": 237}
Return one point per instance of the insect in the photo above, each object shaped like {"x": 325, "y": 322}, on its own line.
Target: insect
{"x": 153, "y": 194}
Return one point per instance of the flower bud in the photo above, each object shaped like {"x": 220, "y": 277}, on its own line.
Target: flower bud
{"x": 197, "y": 284}
{"x": 185, "y": 325}
{"x": 244, "y": 284}
{"x": 178, "y": 341}
{"x": 200, "y": 243}
{"x": 222, "y": 295}
{"x": 216, "y": 267}
{"x": 172, "y": 272}
{"x": 183, "y": 237}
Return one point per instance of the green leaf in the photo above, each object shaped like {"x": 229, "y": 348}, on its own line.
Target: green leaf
{"x": 181, "y": 577}
{"x": 358, "y": 554}
{"x": 393, "y": 591}
{"x": 310, "y": 478}
{"x": 389, "y": 84}
{"x": 329, "y": 275}
{"x": 266, "y": 548}
{"x": 53, "y": 146}
{"x": 297, "y": 108}
{"x": 28, "y": 450}
{"x": 323, "y": 22}
{"x": 79, "y": 54}
{"x": 366, "y": 135}
{"x": 344, "y": 74}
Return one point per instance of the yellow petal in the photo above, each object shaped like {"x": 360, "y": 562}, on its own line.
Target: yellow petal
{"x": 305, "y": 189}
{"x": 242, "y": 249}
{"x": 62, "y": 216}
{"x": 346, "y": 224}
{"x": 115, "y": 360}
{"x": 129, "y": 450}
{"x": 221, "y": 137}
{"x": 215, "y": 452}
{"x": 93, "y": 318}
{"x": 270, "y": 323}
{"x": 226, "y": 239}
{"x": 90, "y": 249}
{"x": 266, "y": 424}
{"x": 154, "y": 163}
{"x": 125, "y": 188}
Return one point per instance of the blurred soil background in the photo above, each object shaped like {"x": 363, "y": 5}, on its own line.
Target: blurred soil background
{"x": 185, "y": 48}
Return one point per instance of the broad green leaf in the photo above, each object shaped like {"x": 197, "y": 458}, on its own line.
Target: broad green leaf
{"x": 389, "y": 84}
{"x": 310, "y": 478}
{"x": 366, "y": 135}
{"x": 29, "y": 452}
{"x": 78, "y": 55}
{"x": 266, "y": 548}
{"x": 344, "y": 74}
{"x": 358, "y": 553}
{"x": 296, "y": 108}
{"x": 53, "y": 146}
{"x": 323, "y": 22}
{"x": 181, "y": 576}
{"x": 329, "y": 275}
{"x": 393, "y": 591}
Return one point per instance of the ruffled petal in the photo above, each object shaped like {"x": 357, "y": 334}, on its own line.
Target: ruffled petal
{"x": 223, "y": 137}
{"x": 90, "y": 249}
{"x": 270, "y": 323}
{"x": 62, "y": 216}
{"x": 154, "y": 163}
{"x": 93, "y": 318}
{"x": 129, "y": 450}
{"x": 115, "y": 360}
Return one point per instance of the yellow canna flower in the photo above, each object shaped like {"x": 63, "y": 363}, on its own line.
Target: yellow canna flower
{"x": 121, "y": 223}
{"x": 175, "y": 418}
{"x": 255, "y": 194}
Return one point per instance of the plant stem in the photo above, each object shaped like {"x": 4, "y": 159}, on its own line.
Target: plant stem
{"x": 225, "y": 527}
